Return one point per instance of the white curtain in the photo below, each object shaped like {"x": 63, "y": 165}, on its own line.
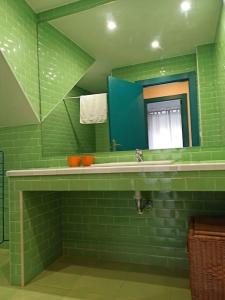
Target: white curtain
{"x": 165, "y": 129}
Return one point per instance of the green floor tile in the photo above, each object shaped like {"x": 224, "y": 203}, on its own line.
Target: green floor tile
{"x": 144, "y": 291}
{"x": 46, "y": 291}
{"x": 184, "y": 294}
{"x": 96, "y": 287}
{"x": 88, "y": 279}
{"x": 57, "y": 279}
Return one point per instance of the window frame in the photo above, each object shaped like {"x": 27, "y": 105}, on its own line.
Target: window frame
{"x": 184, "y": 114}
{"x": 192, "y": 79}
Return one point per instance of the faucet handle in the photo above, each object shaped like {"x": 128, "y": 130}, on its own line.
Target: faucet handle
{"x": 114, "y": 145}
{"x": 139, "y": 152}
{"x": 139, "y": 155}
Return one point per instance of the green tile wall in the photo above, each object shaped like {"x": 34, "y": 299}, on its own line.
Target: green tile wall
{"x": 42, "y": 231}
{"x": 94, "y": 199}
{"x": 102, "y": 137}
{"x": 24, "y": 148}
{"x": 210, "y": 119}
{"x": 18, "y": 42}
{"x": 62, "y": 64}
{"x": 106, "y": 225}
{"x": 154, "y": 181}
{"x": 62, "y": 132}
{"x": 211, "y": 75}
{"x": 15, "y": 231}
{"x": 1, "y": 198}
{"x": 155, "y": 69}
{"x": 220, "y": 70}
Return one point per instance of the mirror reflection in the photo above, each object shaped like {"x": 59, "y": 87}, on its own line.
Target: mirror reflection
{"x": 65, "y": 121}
{"x": 155, "y": 56}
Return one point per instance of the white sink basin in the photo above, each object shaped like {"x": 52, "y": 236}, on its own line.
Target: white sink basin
{"x": 134, "y": 163}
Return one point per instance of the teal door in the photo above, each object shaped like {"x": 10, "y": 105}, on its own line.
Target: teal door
{"x": 126, "y": 115}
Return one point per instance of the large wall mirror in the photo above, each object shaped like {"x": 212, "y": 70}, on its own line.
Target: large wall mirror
{"x": 150, "y": 59}
{"x": 159, "y": 113}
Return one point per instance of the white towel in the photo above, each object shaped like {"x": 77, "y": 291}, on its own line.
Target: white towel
{"x": 93, "y": 109}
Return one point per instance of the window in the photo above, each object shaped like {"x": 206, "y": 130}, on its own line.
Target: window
{"x": 164, "y": 124}
{"x": 166, "y": 90}
{"x": 167, "y": 122}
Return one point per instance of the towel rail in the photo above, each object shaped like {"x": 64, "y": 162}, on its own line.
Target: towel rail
{"x": 67, "y": 98}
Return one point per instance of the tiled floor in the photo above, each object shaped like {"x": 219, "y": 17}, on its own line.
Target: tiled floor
{"x": 67, "y": 279}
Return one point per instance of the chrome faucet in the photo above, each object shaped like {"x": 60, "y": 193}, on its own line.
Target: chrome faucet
{"x": 139, "y": 155}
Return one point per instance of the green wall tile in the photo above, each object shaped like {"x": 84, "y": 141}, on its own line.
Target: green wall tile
{"x": 118, "y": 233}
{"x": 42, "y": 232}
{"x": 62, "y": 133}
{"x": 18, "y": 43}
{"x": 155, "y": 69}
{"x": 62, "y": 64}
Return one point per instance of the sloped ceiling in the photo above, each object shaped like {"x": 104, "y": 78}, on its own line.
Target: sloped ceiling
{"x": 15, "y": 109}
{"x": 138, "y": 24}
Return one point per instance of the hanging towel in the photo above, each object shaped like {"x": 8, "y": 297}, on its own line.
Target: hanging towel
{"x": 93, "y": 109}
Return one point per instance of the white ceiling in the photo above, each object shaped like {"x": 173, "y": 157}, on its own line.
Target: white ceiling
{"x": 139, "y": 22}
{"x": 42, "y": 5}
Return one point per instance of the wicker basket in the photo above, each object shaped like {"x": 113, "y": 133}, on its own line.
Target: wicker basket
{"x": 206, "y": 247}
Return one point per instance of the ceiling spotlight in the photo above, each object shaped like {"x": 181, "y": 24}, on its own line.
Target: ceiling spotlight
{"x": 185, "y": 6}
{"x": 155, "y": 44}
{"x": 111, "y": 25}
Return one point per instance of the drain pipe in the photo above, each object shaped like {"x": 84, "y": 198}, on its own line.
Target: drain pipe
{"x": 138, "y": 198}
{"x": 141, "y": 203}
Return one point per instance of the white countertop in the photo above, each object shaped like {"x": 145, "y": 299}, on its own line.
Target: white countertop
{"x": 176, "y": 167}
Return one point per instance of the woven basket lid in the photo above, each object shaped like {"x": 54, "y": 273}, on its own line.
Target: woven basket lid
{"x": 209, "y": 225}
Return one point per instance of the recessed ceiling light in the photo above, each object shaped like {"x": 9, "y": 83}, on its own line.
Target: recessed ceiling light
{"x": 155, "y": 44}
{"x": 185, "y": 6}
{"x": 111, "y": 25}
